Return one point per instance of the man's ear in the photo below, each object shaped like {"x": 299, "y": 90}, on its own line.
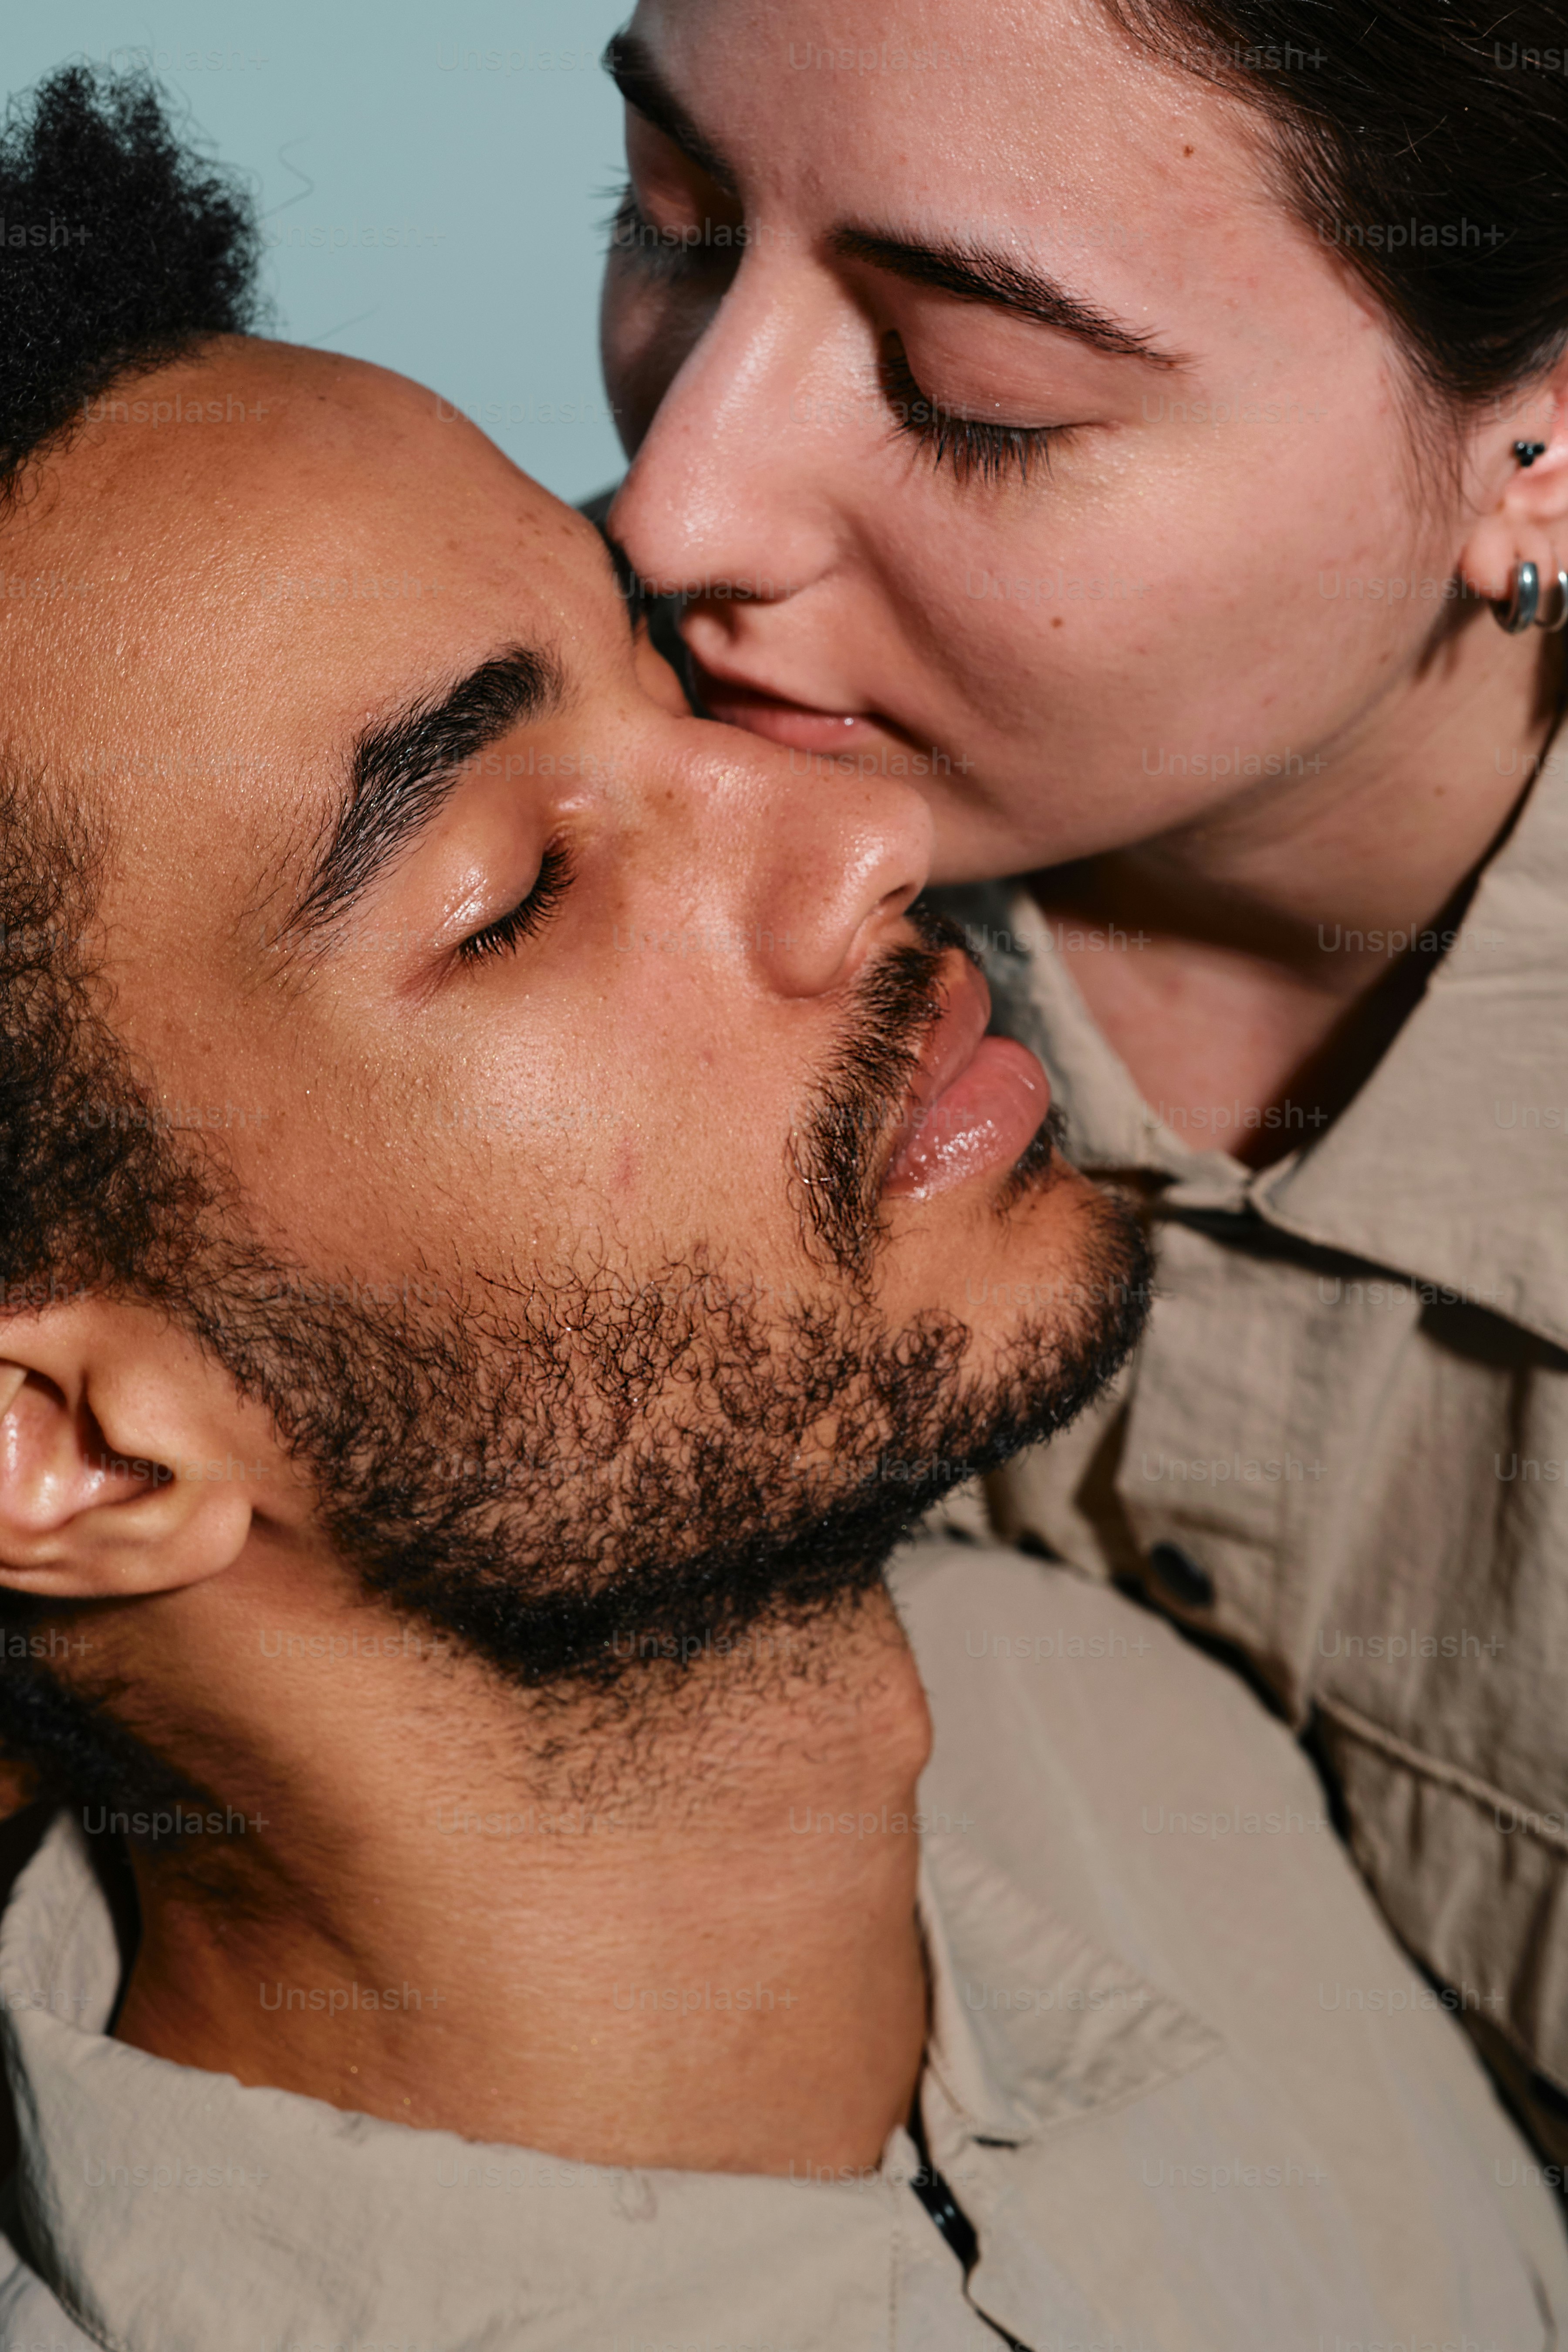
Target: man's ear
{"x": 1523, "y": 515}
{"x": 129, "y": 1462}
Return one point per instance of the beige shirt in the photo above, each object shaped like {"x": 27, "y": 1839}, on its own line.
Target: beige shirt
{"x": 1343, "y": 1446}
{"x": 1179, "y": 2078}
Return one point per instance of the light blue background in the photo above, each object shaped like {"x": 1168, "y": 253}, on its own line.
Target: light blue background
{"x": 485, "y": 139}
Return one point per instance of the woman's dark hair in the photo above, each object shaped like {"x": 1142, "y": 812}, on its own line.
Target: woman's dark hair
{"x": 1428, "y": 143}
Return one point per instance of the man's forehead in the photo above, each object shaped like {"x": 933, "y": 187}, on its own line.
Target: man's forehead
{"x": 254, "y": 488}
{"x": 260, "y": 427}
{"x": 239, "y": 560}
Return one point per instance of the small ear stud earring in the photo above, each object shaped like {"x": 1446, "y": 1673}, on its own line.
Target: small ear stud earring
{"x": 1527, "y": 452}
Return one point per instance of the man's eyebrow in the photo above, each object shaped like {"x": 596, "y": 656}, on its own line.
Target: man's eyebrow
{"x": 630, "y": 62}
{"x": 403, "y": 770}
{"x": 976, "y": 275}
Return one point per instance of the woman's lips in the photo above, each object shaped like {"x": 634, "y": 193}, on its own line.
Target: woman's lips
{"x": 798, "y": 725}
{"x": 976, "y": 1102}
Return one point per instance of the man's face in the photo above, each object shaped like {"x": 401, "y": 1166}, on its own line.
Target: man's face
{"x": 614, "y": 1159}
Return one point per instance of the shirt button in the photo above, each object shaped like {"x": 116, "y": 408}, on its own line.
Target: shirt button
{"x": 1180, "y": 1576}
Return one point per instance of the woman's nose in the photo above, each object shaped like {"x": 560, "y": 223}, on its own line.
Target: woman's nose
{"x": 731, "y": 494}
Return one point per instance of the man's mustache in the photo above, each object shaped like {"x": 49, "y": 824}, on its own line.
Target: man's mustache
{"x": 841, "y": 1149}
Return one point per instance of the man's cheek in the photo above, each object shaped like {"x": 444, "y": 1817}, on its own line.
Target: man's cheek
{"x": 625, "y": 1176}
{"x": 656, "y": 676}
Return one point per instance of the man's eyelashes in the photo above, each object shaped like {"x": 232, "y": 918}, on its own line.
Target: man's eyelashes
{"x": 506, "y": 934}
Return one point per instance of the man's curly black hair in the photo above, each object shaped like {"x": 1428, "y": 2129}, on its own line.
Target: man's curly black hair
{"x": 121, "y": 248}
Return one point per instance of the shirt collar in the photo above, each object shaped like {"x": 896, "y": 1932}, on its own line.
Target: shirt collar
{"x": 1031, "y": 2022}
{"x": 155, "y": 2200}
{"x": 1451, "y": 1164}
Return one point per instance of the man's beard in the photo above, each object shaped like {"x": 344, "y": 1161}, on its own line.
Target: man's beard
{"x": 575, "y": 1478}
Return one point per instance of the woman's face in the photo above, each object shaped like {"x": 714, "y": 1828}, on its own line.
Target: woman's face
{"x": 1001, "y": 423}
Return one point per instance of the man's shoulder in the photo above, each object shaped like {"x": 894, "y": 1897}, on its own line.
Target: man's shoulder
{"x": 30, "y": 2315}
{"x": 1053, "y": 1694}
{"x": 1136, "y": 1791}
{"x": 937, "y": 1569}
{"x": 988, "y": 1616}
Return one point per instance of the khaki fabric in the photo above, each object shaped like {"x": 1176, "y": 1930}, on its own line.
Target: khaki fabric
{"x": 1179, "y": 2078}
{"x": 1343, "y": 1446}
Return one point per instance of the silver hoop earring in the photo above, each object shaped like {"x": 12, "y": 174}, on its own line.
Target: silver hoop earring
{"x": 1522, "y": 605}
{"x": 1554, "y": 613}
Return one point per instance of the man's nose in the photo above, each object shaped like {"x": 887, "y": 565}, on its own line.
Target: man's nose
{"x": 802, "y": 872}
{"x": 838, "y": 880}
{"x": 731, "y": 493}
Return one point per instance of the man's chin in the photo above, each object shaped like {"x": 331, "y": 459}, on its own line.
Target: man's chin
{"x": 706, "y": 1562}
{"x": 1057, "y": 1305}
{"x": 594, "y": 1477}
{"x": 1039, "y": 1168}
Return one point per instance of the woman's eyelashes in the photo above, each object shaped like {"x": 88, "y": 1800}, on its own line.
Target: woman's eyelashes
{"x": 709, "y": 251}
{"x": 969, "y": 445}
{"x": 659, "y": 249}
{"x": 506, "y": 934}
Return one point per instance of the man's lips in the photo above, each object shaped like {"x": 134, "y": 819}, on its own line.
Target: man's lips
{"x": 975, "y": 1102}
{"x": 801, "y": 726}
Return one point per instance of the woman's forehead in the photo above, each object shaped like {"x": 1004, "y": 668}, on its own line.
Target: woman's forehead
{"x": 984, "y": 123}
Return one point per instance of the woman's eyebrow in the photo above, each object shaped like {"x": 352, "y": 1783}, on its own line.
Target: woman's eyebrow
{"x": 977, "y": 275}
{"x": 974, "y": 273}
{"x": 630, "y": 63}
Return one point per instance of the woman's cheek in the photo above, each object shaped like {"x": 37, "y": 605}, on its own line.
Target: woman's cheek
{"x": 634, "y": 352}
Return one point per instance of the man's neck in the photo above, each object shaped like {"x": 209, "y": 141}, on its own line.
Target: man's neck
{"x": 688, "y": 1939}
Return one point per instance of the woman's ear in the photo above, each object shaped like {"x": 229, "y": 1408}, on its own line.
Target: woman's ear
{"x": 129, "y": 1462}
{"x": 1524, "y": 504}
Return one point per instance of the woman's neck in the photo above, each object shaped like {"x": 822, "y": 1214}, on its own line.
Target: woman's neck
{"x": 1275, "y": 947}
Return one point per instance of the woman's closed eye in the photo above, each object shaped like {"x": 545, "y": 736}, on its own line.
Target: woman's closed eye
{"x": 971, "y": 446}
